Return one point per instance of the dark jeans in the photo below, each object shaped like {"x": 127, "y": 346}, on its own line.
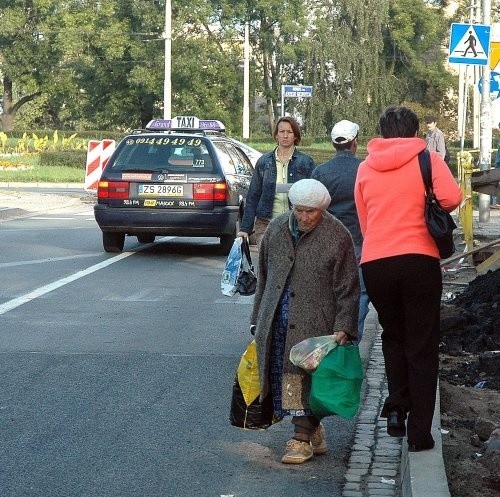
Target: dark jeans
{"x": 406, "y": 293}
{"x": 304, "y": 427}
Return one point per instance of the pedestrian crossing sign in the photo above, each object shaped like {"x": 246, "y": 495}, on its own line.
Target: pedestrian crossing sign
{"x": 469, "y": 44}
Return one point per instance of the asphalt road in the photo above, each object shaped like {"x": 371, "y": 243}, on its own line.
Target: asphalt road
{"x": 116, "y": 372}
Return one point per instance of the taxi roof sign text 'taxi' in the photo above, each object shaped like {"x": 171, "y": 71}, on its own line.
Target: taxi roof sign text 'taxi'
{"x": 185, "y": 122}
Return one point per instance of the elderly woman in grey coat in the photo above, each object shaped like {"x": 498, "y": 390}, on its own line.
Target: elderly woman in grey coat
{"x": 307, "y": 286}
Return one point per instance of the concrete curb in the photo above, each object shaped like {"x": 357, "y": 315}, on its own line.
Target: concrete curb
{"x": 423, "y": 474}
{"x": 380, "y": 465}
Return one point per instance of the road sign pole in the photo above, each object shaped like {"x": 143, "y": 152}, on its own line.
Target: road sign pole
{"x": 167, "y": 83}
{"x": 462, "y": 103}
{"x": 485, "y": 139}
{"x": 282, "y": 100}
{"x": 476, "y": 107}
{"x": 246, "y": 83}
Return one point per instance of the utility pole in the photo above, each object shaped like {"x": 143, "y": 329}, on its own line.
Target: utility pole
{"x": 167, "y": 85}
{"x": 485, "y": 137}
{"x": 246, "y": 83}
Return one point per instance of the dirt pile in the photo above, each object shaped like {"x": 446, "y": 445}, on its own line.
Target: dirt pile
{"x": 470, "y": 327}
{"x": 470, "y": 388}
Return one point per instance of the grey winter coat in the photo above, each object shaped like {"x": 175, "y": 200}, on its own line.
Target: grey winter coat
{"x": 324, "y": 296}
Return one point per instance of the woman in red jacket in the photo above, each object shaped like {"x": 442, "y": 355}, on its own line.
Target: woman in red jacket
{"x": 400, "y": 264}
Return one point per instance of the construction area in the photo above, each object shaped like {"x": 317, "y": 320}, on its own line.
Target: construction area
{"x": 470, "y": 344}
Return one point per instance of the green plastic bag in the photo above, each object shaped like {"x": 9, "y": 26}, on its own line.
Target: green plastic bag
{"x": 336, "y": 383}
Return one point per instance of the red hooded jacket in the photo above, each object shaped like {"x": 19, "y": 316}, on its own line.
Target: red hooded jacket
{"x": 390, "y": 198}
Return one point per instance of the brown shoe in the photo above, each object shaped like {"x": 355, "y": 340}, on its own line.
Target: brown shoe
{"x": 297, "y": 452}
{"x": 318, "y": 440}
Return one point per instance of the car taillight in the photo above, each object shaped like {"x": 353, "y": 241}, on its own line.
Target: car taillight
{"x": 112, "y": 189}
{"x": 210, "y": 191}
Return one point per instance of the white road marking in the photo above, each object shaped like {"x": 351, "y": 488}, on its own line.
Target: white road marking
{"x": 39, "y": 292}
{"x": 236, "y": 299}
{"x": 40, "y": 218}
{"x": 49, "y": 259}
{"x": 23, "y": 299}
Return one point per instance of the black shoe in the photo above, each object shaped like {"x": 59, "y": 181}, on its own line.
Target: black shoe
{"x": 416, "y": 447}
{"x": 396, "y": 423}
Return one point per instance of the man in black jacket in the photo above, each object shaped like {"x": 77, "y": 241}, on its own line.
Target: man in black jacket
{"x": 339, "y": 176}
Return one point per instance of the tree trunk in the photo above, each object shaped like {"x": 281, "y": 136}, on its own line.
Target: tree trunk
{"x": 9, "y": 107}
{"x": 267, "y": 91}
{"x": 7, "y": 116}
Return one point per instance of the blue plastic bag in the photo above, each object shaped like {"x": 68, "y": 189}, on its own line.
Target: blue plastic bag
{"x": 229, "y": 280}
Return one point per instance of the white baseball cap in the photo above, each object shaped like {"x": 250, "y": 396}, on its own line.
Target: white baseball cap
{"x": 344, "y": 132}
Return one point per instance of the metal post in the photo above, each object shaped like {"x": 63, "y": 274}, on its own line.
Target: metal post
{"x": 463, "y": 92}
{"x": 465, "y": 167}
{"x": 282, "y": 100}
{"x": 475, "y": 16}
{"x": 246, "y": 83}
{"x": 476, "y": 109}
{"x": 167, "y": 85}
{"x": 485, "y": 124}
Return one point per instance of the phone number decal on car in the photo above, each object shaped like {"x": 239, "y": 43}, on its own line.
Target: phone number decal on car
{"x": 161, "y": 190}
{"x": 193, "y": 142}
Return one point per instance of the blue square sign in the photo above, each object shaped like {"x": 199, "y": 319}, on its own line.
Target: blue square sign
{"x": 469, "y": 44}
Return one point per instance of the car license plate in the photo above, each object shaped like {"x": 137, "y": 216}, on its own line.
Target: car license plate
{"x": 162, "y": 190}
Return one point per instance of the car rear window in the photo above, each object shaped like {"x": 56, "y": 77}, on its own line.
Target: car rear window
{"x": 181, "y": 154}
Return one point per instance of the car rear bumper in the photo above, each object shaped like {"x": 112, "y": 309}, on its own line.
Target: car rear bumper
{"x": 218, "y": 222}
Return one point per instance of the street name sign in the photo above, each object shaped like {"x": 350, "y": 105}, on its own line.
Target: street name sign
{"x": 297, "y": 91}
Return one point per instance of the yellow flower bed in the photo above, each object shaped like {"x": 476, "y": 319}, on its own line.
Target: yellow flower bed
{"x": 9, "y": 166}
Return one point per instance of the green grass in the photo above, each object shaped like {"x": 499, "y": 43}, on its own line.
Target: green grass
{"x": 320, "y": 152}
{"x": 35, "y": 173}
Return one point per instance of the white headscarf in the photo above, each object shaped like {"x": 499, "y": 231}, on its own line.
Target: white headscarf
{"x": 309, "y": 193}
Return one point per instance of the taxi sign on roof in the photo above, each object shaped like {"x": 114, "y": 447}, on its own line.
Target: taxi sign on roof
{"x": 185, "y": 122}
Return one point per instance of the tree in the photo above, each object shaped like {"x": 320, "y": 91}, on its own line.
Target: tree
{"x": 111, "y": 70}
{"x": 87, "y": 65}
{"x": 415, "y": 52}
{"x": 109, "y": 76}
{"x": 27, "y": 54}
{"x": 344, "y": 63}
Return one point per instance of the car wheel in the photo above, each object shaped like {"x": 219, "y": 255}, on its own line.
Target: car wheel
{"x": 146, "y": 238}
{"x": 113, "y": 242}
{"x": 226, "y": 241}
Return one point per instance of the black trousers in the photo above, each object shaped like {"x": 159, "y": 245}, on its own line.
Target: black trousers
{"x": 406, "y": 293}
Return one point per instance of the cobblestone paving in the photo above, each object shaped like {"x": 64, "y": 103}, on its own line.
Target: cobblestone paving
{"x": 375, "y": 461}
